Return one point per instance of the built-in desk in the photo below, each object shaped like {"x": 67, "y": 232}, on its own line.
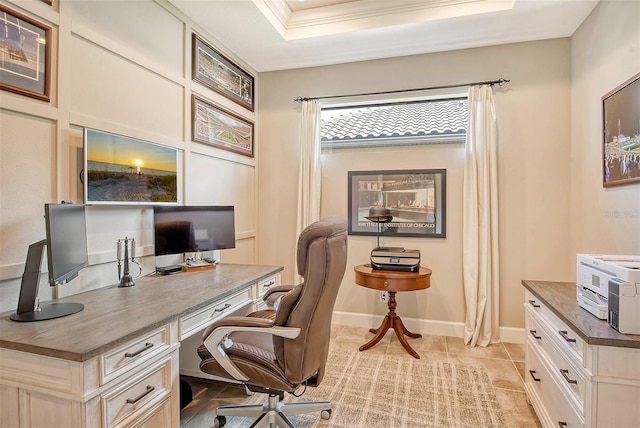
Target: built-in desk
{"x": 116, "y": 363}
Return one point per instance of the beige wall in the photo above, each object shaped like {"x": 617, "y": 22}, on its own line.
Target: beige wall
{"x": 534, "y": 125}
{"x": 605, "y": 54}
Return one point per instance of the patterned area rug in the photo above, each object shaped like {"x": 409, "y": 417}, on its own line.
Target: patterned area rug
{"x": 386, "y": 391}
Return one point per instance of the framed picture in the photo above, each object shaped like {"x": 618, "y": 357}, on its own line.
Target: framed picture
{"x": 412, "y": 202}
{"x": 218, "y": 127}
{"x": 621, "y": 134}
{"x": 25, "y": 49}
{"x": 124, "y": 170}
{"x": 219, "y": 73}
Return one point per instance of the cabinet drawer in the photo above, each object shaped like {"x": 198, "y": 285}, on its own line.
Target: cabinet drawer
{"x": 558, "y": 410}
{"x": 266, "y": 284}
{"x": 133, "y": 400}
{"x": 134, "y": 353}
{"x": 196, "y": 321}
{"x": 566, "y": 338}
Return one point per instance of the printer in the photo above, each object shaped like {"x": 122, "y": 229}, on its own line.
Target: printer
{"x": 395, "y": 258}
{"x": 608, "y": 286}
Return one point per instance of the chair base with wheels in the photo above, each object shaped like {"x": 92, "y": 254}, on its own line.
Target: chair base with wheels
{"x": 273, "y": 413}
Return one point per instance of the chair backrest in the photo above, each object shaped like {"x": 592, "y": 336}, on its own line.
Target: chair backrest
{"x": 321, "y": 260}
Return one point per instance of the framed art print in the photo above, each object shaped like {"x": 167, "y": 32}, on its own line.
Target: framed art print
{"x": 219, "y": 73}
{"x": 124, "y": 170}
{"x": 213, "y": 125}
{"x": 621, "y": 134}
{"x": 25, "y": 49}
{"x": 414, "y": 199}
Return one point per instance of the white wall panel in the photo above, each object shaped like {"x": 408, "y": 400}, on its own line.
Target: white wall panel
{"x": 109, "y": 87}
{"x": 213, "y": 181}
{"x": 27, "y": 151}
{"x": 141, "y": 26}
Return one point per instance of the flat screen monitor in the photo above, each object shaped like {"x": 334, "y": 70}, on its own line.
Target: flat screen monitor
{"x": 66, "y": 245}
{"x": 186, "y": 229}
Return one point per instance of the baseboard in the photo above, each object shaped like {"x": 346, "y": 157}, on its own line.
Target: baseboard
{"x": 423, "y": 326}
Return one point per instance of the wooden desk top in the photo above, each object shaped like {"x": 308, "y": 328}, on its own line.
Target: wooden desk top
{"x": 392, "y": 280}
{"x": 560, "y": 297}
{"x": 113, "y": 316}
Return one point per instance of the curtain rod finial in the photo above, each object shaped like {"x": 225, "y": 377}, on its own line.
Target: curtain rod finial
{"x": 299, "y": 99}
{"x": 502, "y": 82}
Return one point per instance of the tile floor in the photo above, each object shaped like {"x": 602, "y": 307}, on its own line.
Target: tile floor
{"x": 504, "y": 363}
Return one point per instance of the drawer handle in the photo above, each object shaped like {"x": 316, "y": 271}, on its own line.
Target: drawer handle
{"x": 222, "y": 309}
{"x": 269, "y": 284}
{"x": 149, "y": 390}
{"x": 534, "y": 304}
{"x": 533, "y": 376}
{"x": 565, "y": 374}
{"x": 146, "y": 346}
{"x": 533, "y": 333}
{"x": 562, "y": 424}
{"x": 563, "y": 333}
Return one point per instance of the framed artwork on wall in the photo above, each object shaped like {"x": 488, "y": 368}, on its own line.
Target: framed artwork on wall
{"x": 621, "y": 134}
{"x": 25, "y": 49}
{"x": 413, "y": 202}
{"x": 217, "y": 72}
{"x": 213, "y": 125}
{"x": 123, "y": 170}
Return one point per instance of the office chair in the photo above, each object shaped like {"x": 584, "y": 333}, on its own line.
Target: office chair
{"x": 274, "y": 356}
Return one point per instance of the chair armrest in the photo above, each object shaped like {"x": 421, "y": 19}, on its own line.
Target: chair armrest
{"x": 272, "y": 295}
{"x": 216, "y": 338}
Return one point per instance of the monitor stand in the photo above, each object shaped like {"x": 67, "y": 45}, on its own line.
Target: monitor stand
{"x": 48, "y": 311}
{"x": 29, "y": 309}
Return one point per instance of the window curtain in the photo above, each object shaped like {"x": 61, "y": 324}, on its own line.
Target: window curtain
{"x": 309, "y": 181}
{"x": 480, "y": 257}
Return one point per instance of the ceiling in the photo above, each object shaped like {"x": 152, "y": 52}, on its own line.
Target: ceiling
{"x": 284, "y": 34}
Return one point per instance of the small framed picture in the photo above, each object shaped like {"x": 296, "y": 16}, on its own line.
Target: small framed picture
{"x": 213, "y": 125}
{"x": 403, "y": 203}
{"x": 621, "y": 134}
{"x": 219, "y": 73}
{"x": 25, "y": 47}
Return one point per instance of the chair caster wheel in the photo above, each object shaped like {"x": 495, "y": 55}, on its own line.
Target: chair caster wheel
{"x": 325, "y": 414}
{"x": 220, "y": 422}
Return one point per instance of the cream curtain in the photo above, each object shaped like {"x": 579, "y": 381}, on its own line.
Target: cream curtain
{"x": 480, "y": 257}
{"x": 309, "y": 181}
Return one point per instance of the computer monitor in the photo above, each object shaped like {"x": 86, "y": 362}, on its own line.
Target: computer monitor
{"x": 67, "y": 254}
{"x": 185, "y": 229}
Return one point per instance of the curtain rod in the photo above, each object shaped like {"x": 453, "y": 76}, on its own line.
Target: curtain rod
{"x": 499, "y": 82}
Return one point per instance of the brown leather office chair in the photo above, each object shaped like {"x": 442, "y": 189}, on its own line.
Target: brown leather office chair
{"x": 279, "y": 355}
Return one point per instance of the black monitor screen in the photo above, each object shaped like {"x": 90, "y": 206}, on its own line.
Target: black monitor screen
{"x": 184, "y": 229}
{"x": 66, "y": 241}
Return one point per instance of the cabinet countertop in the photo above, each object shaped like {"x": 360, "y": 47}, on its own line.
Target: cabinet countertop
{"x": 560, "y": 297}
{"x": 112, "y": 316}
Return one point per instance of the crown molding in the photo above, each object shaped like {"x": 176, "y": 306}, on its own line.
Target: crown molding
{"x": 361, "y": 15}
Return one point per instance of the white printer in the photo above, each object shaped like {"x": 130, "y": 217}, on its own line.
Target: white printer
{"x": 608, "y": 286}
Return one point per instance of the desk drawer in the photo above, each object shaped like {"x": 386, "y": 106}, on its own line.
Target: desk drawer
{"x": 196, "y": 321}
{"x": 132, "y": 354}
{"x": 266, "y": 284}
{"x": 570, "y": 343}
{"x": 131, "y": 400}
{"x": 557, "y": 405}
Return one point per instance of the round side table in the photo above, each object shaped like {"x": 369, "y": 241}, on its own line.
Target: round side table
{"x": 392, "y": 282}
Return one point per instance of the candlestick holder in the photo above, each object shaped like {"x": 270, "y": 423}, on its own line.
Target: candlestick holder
{"x": 126, "y": 280}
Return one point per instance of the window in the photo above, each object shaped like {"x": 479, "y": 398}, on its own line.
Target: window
{"x": 408, "y": 123}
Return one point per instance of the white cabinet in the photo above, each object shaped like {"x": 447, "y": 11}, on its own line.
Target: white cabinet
{"x": 131, "y": 385}
{"x": 579, "y": 372}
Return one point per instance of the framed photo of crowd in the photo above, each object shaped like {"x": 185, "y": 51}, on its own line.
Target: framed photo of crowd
{"x": 621, "y": 134}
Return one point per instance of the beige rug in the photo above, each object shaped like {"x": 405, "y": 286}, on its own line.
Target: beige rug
{"x": 370, "y": 390}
